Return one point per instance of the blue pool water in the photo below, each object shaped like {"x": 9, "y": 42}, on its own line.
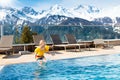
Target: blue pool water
{"x": 105, "y": 67}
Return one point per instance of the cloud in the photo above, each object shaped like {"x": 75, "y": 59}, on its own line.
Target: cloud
{"x": 9, "y": 3}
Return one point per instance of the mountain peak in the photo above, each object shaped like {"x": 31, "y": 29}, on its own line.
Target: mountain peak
{"x": 58, "y": 10}
{"x": 79, "y": 7}
{"x": 93, "y": 9}
{"x": 29, "y": 10}
{"x": 56, "y": 7}
{"x": 89, "y": 9}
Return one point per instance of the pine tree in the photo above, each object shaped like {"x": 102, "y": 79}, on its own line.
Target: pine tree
{"x": 26, "y": 36}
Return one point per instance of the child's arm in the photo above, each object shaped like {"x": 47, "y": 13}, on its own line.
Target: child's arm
{"x": 47, "y": 50}
{"x": 36, "y": 55}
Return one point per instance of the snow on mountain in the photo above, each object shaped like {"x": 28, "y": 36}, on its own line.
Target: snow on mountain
{"x": 9, "y": 15}
{"x": 28, "y": 14}
{"x": 6, "y": 16}
{"x": 57, "y": 10}
{"x": 29, "y": 10}
{"x": 2, "y": 14}
{"x": 86, "y": 12}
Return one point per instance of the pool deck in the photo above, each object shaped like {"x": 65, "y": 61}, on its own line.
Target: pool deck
{"x": 17, "y": 58}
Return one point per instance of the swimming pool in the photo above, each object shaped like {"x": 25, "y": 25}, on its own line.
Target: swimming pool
{"x": 105, "y": 67}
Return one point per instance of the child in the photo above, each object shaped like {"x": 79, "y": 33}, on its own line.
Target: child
{"x": 40, "y": 50}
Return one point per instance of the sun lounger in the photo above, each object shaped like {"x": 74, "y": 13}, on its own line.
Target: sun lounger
{"x": 100, "y": 42}
{"x": 72, "y": 41}
{"x": 57, "y": 42}
{"x": 6, "y": 43}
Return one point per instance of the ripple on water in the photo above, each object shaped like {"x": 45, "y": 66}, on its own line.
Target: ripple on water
{"x": 1, "y": 67}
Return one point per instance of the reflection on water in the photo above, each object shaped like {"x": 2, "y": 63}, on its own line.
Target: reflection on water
{"x": 38, "y": 72}
{"x": 1, "y": 67}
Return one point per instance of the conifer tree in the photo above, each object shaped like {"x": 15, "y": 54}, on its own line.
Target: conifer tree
{"x": 26, "y": 36}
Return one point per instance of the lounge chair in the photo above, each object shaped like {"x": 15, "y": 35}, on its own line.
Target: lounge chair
{"x": 57, "y": 42}
{"x": 72, "y": 41}
{"x": 6, "y": 43}
{"x": 37, "y": 38}
{"x": 100, "y": 42}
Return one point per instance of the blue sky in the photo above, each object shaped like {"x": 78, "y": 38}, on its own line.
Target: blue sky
{"x": 45, "y": 4}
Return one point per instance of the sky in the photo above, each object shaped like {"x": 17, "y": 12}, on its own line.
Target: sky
{"x": 46, "y": 4}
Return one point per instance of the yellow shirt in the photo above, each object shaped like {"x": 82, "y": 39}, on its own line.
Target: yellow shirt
{"x": 40, "y": 52}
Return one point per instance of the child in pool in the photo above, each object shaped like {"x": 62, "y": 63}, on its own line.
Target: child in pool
{"x": 40, "y": 51}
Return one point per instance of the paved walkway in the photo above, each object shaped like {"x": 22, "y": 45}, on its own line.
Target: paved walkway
{"x": 16, "y": 58}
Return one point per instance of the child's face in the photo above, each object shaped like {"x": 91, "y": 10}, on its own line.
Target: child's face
{"x": 42, "y": 43}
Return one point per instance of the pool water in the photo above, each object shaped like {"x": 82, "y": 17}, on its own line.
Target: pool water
{"x": 105, "y": 67}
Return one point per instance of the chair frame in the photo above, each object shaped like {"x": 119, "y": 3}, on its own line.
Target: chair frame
{"x": 57, "y": 42}
{"x": 73, "y": 42}
{"x": 99, "y": 42}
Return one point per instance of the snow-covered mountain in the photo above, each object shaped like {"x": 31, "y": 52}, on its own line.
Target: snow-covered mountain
{"x": 55, "y": 15}
{"x": 85, "y": 12}
{"x": 12, "y": 18}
